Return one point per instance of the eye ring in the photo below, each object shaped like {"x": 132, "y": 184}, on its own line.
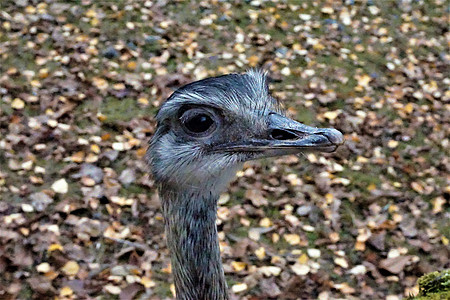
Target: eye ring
{"x": 198, "y": 122}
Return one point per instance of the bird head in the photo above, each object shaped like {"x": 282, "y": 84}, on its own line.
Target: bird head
{"x": 207, "y": 129}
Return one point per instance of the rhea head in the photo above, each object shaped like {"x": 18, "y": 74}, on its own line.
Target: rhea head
{"x": 209, "y": 128}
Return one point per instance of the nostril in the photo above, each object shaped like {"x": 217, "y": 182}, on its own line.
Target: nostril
{"x": 278, "y": 134}
{"x": 334, "y": 136}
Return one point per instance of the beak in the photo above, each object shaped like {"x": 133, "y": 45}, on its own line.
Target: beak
{"x": 286, "y": 136}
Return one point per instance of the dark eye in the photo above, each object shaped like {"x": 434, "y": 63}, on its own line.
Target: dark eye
{"x": 197, "y": 121}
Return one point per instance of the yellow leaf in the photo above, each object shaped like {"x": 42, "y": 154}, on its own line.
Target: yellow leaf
{"x": 54, "y": 247}
{"x": 238, "y": 265}
{"x": 122, "y": 201}
{"x": 364, "y": 234}
{"x": 253, "y": 60}
{"x": 17, "y": 103}
{"x": 363, "y": 80}
{"x": 293, "y": 179}
{"x": 167, "y": 270}
{"x": 293, "y": 239}
{"x": 141, "y": 152}
{"x": 276, "y": 259}
{"x": 297, "y": 47}
{"x": 392, "y": 208}
{"x": 327, "y": 10}
{"x": 265, "y": 222}
{"x": 344, "y": 288}
{"x": 95, "y": 148}
{"x": 100, "y": 83}
{"x": 30, "y": 9}
{"x": 143, "y": 101}
{"x": 131, "y": 65}
{"x": 50, "y": 275}
{"x": 260, "y": 253}
{"x": 164, "y": 24}
{"x": 172, "y": 289}
{"x": 239, "y": 288}
{"x": 329, "y": 197}
{"x": 371, "y": 187}
{"x": 331, "y": 115}
{"x": 91, "y": 13}
{"x": 95, "y": 22}
{"x": 360, "y": 246}
{"x": 119, "y": 86}
{"x": 106, "y": 136}
{"x": 101, "y": 117}
{"x": 35, "y": 83}
{"x": 78, "y": 157}
{"x": 397, "y": 218}
{"x": 43, "y": 73}
{"x": 392, "y": 144}
{"x": 438, "y": 204}
{"x": 340, "y": 261}
{"x": 318, "y": 46}
{"x": 90, "y": 158}
{"x": 239, "y": 48}
{"x": 87, "y": 181}
{"x": 275, "y": 237}
{"x": 359, "y": 48}
{"x": 71, "y": 268}
{"x": 284, "y": 25}
{"x": 417, "y": 187}
{"x": 334, "y": 237}
{"x": 303, "y": 259}
{"x": 409, "y": 108}
{"x": 43, "y": 268}
{"x": 147, "y": 282}
{"x": 65, "y": 291}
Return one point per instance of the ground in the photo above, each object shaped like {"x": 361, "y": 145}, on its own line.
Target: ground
{"x": 80, "y": 82}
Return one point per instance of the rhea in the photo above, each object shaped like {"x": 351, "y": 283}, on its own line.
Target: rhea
{"x": 205, "y": 131}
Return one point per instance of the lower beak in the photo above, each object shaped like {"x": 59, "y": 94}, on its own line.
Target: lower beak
{"x": 287, "y": 136}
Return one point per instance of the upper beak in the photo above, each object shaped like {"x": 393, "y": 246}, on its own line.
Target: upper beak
{"x": 287, "y": 133}
{"x": 286, "y": 136}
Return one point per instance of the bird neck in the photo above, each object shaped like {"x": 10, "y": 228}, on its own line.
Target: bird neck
{"x": 190, "y": 223}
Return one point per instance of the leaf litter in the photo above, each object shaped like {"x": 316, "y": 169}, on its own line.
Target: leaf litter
{"x": 80, "y": 84}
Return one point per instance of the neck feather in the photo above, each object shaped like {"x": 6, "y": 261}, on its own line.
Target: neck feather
{"x": 190, "y": 222}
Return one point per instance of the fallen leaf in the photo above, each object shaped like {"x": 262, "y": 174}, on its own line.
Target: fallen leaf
{"x": 112, "y": 289}
{"x": 395, "y": 265}
{"x": 71, "y": 268}
{"x": 239, "y": 288}
{"x": 60, "y": 186}
{"x": 43, "y": 267}
{"x": 300, "y": 269}
{"x": 18, "y": 104}
{"x": 256, "y": 197}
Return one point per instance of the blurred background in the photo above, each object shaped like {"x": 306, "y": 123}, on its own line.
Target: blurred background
{"x": 81, "y": 81}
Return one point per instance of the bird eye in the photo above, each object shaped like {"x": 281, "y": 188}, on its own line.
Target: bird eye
{"x": 197, "y": 122}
